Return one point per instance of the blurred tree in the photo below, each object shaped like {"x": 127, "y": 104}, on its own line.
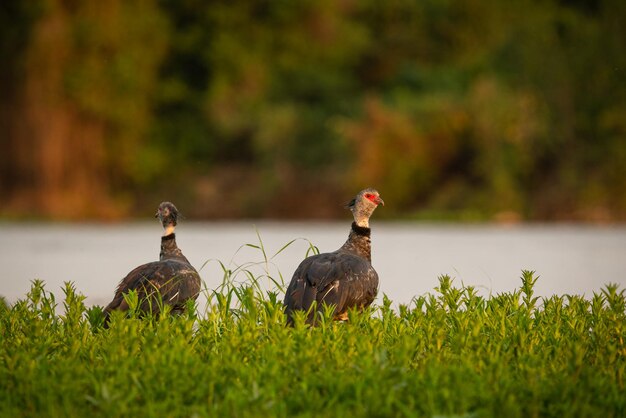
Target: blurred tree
{"x": 496, "y": 108}
{"x": 16, "y": 26}
{"x": 83, "y": 105}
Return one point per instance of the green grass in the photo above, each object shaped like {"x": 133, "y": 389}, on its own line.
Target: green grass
{"x": 451, "y": 353}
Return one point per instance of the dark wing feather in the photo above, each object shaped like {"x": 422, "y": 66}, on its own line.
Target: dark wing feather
{"x": 169, "y": 282}
{"x": 339, "y": 279}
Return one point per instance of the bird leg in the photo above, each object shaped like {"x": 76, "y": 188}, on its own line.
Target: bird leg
{"x": 342, "y": 316}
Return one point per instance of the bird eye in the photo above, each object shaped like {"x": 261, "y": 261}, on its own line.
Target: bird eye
{"x": 368, "y": 195}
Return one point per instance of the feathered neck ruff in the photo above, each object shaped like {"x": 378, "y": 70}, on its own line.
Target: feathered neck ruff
{"x": 168, "y": 237}
{"x": 361, "y": 230}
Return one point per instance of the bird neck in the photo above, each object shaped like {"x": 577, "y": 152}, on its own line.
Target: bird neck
{"x": 361, "y": 217}
{"x": 359, "y": 242}
{"x": 169, "y": 248}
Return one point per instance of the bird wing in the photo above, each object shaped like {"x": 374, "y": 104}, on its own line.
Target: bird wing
{"x": 170, "y": 282}
{"x": 339, "y": 279}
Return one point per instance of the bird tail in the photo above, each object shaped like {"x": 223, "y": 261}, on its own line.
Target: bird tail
{"x": 303, "y": 300}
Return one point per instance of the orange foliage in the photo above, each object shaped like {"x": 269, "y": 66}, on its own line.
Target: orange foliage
{"x": 398, "y": 153}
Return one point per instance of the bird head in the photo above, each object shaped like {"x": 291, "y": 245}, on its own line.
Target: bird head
{"x": 364, "y": 204}
{"x": 168, "y": 216}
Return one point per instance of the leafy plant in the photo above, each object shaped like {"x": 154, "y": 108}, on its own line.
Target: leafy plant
{"x": 448, "y": 353}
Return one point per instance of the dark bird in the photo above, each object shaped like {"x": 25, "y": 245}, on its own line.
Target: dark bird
{"x": 344, "y": 278}
{"x": 170, "y": 281}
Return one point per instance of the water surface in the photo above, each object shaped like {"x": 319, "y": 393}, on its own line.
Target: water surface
{"x": 571, "y": 259}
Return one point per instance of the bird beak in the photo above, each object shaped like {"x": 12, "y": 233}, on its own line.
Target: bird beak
{"x": 157, "y": 214}
{"x": 380, "y": 201}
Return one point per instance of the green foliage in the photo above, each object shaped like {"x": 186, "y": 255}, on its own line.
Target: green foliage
{"x": 453, "y": 107}
{"x": 16, "y": 25}
{"x": 450, "y": 353}
{"x": 112, "y": 76}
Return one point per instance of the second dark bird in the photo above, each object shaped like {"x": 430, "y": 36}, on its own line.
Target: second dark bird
{"x": 170, "y": 281}
{"x": 344, "y": 278}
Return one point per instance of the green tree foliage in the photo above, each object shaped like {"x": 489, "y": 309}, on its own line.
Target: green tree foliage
{"x": 81, "y": 104}
{"x": 496, "y": 108}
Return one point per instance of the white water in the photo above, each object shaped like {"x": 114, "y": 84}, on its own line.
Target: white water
{"x": 570, "y": 259}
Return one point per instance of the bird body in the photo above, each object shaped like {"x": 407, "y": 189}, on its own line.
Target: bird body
{"x": 344, "y": 278}
{"x": 170, "y": 281}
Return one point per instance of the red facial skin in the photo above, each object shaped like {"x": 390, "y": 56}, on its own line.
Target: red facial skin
{"x": 374, "y": 199}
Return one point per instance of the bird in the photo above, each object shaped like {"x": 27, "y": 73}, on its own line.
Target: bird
{"x": 170, "y": 281}
{"x": 344, "y": 278}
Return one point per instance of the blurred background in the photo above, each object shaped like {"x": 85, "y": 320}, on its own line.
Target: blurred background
{"x": 465, "y": 110}
{"x": 502, "y": 111}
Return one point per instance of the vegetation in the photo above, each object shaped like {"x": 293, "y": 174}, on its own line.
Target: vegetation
{"x": 510, "y": 108}
{"x": 451, "y": 353}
